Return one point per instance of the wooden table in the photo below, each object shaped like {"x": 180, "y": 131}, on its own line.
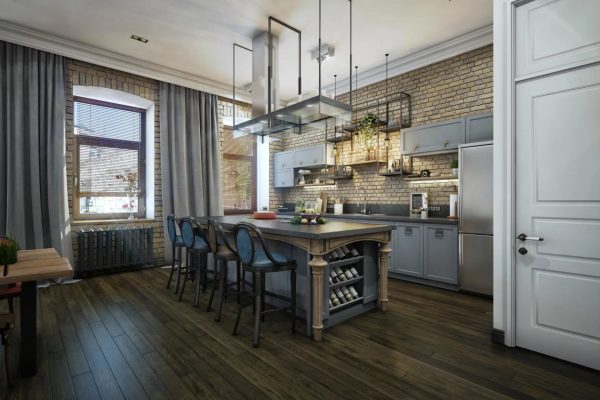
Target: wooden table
{"x": 32, "y": 266}
{"x": 319, "y": 240}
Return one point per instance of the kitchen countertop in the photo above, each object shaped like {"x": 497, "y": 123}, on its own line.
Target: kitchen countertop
{"x": 385, "y": 218}
{"x": 282, "y": 226}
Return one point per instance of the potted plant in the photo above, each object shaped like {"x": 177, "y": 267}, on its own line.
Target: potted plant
{"x": 8, "y": 252}
{"x": 454, "y": 166}
{"x": 131, "y": 178}
{"x": 367, "y": 131}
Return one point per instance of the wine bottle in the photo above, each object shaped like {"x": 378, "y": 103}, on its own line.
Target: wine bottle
{"x": 347, "y": 294}
{"x": 330, "y": 280}
{"x": 333, "y": 275}
{"x": 340, "y": 295}
{"x": 330, "y": 303}
{"x": 353, "y": 292}
{"x": 354, "y": 252}
{"x": 349, "y": 274}
{"x": 340, "y": 274}
{"x": 346, "y": 251}
{"x": 334, "y": 299}
{"x": 333, "y": 256}
{"x": 354, "y": 272}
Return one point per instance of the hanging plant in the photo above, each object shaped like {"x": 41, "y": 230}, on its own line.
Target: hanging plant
{"x": 367, "y": 130}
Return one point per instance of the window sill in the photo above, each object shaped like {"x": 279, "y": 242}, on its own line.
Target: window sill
{"x": 81, "y": 222}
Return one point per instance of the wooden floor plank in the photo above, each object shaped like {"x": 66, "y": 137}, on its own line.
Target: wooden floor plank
{"x": 126, "y": 336}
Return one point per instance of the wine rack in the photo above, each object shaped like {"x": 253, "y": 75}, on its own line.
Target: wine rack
{"x": 345, "y": 277}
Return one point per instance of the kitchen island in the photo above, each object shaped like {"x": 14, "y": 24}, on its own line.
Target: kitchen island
{"x": 311, "y": 246}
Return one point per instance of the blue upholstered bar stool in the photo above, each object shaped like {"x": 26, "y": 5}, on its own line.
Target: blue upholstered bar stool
{"x": 257, "y": 259}
{"x": 177, "y": 244}
{"x": 196, "y": 256}
{"x": 223, "y": 251}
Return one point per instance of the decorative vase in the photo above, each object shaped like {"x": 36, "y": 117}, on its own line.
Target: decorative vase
{"x": 455, "y": 172}
{"x": 130, "y": 201}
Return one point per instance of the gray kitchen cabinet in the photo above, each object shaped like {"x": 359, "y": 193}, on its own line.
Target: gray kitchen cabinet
{"x": 309, "y": 156}
{"x": 440, "y": 261}
{"x": 283, "y": 160}
{"x": 479, "y": 128}
{"x": 283, "y": 178}
{"x": 433, "y": 138}
{"x": 408, "y": 247}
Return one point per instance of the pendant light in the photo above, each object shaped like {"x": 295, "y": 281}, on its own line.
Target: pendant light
{"x": 386, "y": 141}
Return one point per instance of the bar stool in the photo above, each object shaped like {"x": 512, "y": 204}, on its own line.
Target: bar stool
{"x": 223, "y": 252}
{"x": 197, "y": 247}
{"x": 177, "y": 244}
{"x": 260, "y": 262}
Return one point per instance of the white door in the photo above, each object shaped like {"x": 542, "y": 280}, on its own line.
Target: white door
{"x": 558, "y": 200}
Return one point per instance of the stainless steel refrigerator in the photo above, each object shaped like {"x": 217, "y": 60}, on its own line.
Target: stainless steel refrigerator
{"x": 475, "y": 213}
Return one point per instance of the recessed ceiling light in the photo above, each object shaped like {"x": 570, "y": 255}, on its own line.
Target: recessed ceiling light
{"x": 139, "y": 38}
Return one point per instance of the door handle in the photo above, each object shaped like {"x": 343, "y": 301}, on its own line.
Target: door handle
{"x": 523, "y": 237}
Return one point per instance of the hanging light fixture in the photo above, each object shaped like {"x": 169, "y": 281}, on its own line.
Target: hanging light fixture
{"x": 386, "y": 141}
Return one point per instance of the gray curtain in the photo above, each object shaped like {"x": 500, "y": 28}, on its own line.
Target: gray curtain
{"x": 33, "y": 198}
{"x": 190, "y": 150}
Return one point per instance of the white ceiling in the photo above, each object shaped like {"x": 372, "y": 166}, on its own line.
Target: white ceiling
{"x": 196, "y": 36}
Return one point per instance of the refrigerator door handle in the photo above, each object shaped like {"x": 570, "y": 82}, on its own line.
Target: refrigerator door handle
{"x": 460, "y": 194}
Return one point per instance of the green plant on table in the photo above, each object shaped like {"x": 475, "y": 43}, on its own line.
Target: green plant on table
{"x": 8, "y": 250}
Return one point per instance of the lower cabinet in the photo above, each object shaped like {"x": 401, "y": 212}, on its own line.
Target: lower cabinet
{"x": 408, "y": 246}
{"x": 441, "y": 254}
{"x": 427, "y": 251}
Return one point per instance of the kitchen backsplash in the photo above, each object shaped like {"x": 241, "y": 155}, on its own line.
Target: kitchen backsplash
{"x": 456, "y": 87}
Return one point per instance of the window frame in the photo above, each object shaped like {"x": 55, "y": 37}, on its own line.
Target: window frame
{"x": 112, "y": 143}
{"x": 252, "y": 159}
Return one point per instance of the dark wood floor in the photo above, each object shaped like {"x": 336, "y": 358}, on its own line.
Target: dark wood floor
{"x": 125, "y": 336}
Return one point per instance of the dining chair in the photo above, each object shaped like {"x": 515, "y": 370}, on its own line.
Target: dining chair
{"x": 177, "y": 245}
{"x": 256, "y": 258}
{"x": 223, "y": 252}
{"x": 7, "y": 322}
{"x": 196, "y": 256}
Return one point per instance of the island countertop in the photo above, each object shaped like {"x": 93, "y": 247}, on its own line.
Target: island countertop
{"x": 282, "y": 226}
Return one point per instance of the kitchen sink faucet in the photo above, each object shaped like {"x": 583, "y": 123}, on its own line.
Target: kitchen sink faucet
{"x": 364, "y": 209}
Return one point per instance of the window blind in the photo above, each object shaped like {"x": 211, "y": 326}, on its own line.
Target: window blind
{"x": 105, "y": 122}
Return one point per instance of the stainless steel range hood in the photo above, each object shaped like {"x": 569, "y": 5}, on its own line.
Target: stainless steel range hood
{"x": 267, "y": 117}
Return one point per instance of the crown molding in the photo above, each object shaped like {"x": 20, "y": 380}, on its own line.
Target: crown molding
{"x": 24, "y": 36}
{"x": 453, "y": 47}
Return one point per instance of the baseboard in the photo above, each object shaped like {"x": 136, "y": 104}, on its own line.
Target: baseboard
{"x": 497, "y": 336}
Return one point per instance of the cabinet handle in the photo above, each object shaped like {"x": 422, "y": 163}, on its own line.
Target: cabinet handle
{"x": 299, "y": 162}
{"x": 445, "y": 143}
{"x": 415, "y": 148}
{"x": 439, "y": 233}
{"x": 408, "y": 231}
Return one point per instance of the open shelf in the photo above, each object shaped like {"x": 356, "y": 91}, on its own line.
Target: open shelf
{"x": 346, "y": 283}
{"x": 355, "y": 126}
{"x": 316, "y": 184}
{"x": 364, "y": 163}
{"x": 344, "y": 262}
{"x": 431, "y": 178}
{"x": 346, "y": 304}
{"x": 394, "y": 173}
{"x": 343, "y": 138}
{"x": 339, "y": 177}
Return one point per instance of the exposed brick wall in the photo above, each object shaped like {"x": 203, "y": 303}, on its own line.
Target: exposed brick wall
{"x": 456, "y": 87}
{"x": 85, "y": 74}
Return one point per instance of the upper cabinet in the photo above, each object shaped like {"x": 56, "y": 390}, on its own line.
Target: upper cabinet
{"x": 447, "y": 135}
{"x": 283, "y": 160}
{"x": 479, "y": 128}
{"x": 313, "y": 156}
{"x": 442, "y": 136}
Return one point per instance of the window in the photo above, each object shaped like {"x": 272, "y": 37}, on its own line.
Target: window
{"x": 109, "y": 159}
{"x": 238, "y": 173}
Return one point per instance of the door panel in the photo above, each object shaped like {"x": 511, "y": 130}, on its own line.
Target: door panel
{"x": 441, "y": 254}
{"x": 555, "y": 34}
{"x": 479, "y": 128}
{"x": 558, "y": 199}
{"x": 441, "y": 136}
{"x": 283, "y": 178}
{"x": 283, "y": 160}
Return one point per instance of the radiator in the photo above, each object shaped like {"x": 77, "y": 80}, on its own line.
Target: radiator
{"x": 113, "y": 250}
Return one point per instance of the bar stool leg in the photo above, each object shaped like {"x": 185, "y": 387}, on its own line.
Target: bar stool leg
{"x": 172, "y": 267}
{"x": 293, "y": 305}
{"x": 187, "y": 263}
{"x": 238, "y": 271}
{"x": 204, "y": 272}
{"x": 218, "y": 271}
{"x": 185, "y": 279}
{"x": 199, "y": 268}
{"x": 222, "y": 289}
{"x": 258, "y": 291}
{"x": 262, "y": 294}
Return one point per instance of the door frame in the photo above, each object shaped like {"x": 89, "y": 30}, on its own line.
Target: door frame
{"x": 505, "y": 80}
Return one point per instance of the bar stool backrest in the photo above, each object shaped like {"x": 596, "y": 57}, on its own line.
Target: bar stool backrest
{"x": 189, "y": 229}
{"x": 171, "y": 227}
{"x": 217, "y": 237}
{"x": 244, "y": 234}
